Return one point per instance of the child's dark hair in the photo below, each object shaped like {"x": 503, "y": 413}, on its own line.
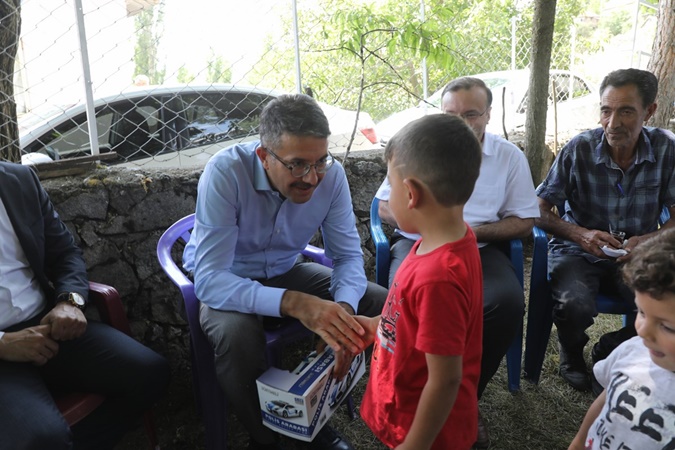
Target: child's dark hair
{"x": 651, "y": 268}
{"x": 441, "y": 151}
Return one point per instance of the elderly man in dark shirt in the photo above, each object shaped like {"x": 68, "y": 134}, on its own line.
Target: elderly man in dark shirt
{"x": 609, "y": 185}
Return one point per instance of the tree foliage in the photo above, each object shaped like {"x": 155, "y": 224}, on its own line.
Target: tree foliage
{"x": 218, "y": 70}
{"x": 184, "y": 75}
{"x": 149, "y": 29}
{"x": 369, "y": 54}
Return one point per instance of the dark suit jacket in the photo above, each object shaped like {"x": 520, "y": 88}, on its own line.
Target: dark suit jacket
{"x": 49, "y": 246}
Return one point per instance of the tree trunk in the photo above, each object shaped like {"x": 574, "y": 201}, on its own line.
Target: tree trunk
{"x": 538, "y": 155}
{"x": 662, "y": 62}
{"x": 10, "y": 26}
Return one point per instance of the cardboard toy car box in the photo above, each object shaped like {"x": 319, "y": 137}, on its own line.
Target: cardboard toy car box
{"x": 299, "y": 403}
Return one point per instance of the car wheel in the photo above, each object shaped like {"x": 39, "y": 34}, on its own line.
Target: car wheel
{"x": 299, "y": 413}
{"x": 285, "y": 414}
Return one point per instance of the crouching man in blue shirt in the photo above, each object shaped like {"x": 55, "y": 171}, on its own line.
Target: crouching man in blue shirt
{"x": 258, "y": 206}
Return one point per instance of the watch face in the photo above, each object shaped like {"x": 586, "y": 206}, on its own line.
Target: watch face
{"x": 76, "y": 299}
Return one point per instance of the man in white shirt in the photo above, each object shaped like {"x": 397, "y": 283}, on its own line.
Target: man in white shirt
{"x": 503, "y": 206}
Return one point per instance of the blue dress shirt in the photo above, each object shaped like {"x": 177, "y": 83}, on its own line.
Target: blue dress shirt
{"x": 245, "y": 231}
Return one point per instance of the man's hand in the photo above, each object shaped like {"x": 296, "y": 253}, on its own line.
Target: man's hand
{"x": 31, "y": 344}
{"x": 343, "y": 360}
{"x": 592, "y": 240}
{"x": 330, "y": 321}
{"x": 67, "y": 322}
{"x": 630, "y": 244}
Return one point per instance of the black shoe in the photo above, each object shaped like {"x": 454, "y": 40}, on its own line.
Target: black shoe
{"x": 609, "y": 341}
{"x": 573, "y": 369}
{"x": 483, "y": 436}
{"x": 329, "y": 439}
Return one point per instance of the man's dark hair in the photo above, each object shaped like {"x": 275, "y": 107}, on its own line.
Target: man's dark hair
{"x": 442, "y": 152}
{"x": 294, "y": 114}
{"x": 645, "y": 81}
{"x": 466, "y": 83}
{"x": 651, "y": 267}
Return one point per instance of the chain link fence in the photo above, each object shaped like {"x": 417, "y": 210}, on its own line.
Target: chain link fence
{"x": 171, "y": 82}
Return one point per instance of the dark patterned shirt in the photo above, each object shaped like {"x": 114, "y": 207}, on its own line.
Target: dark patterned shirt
{"x": 596, "y": 193}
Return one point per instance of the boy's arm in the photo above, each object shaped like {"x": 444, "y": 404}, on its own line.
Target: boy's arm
{"x": 579, "y": 441}
{"x": 436, "y": 402}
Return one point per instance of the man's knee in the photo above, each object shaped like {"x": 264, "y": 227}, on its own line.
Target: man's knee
{"x": 503, "y": 299}
{"x": 373, "y": 300}
{"x": 229, "y": 331}
{"x": 573, "y": 309}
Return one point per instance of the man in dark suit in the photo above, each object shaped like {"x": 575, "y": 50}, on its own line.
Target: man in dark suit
{"x": 47, "y": 343}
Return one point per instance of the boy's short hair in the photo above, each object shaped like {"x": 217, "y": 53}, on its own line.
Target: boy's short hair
{"x": 441, "y": 151}
{"x": 651, "y": 268}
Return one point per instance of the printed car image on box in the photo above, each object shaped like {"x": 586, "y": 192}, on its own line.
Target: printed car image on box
{"x": 299, "y": 403}
{"x": 283, "y": 409}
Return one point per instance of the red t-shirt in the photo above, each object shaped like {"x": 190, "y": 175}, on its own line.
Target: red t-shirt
{"x": 435, "y": 306}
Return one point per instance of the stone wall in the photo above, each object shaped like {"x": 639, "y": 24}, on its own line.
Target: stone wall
{"x": 117, "y": 215}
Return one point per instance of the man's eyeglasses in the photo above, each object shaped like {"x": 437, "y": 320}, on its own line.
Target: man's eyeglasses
{"x": 300, "y": 169}
{"x": 471, "y": 115}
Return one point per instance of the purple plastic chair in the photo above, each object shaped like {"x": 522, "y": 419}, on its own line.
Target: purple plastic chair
{"x": 208, "y": 394}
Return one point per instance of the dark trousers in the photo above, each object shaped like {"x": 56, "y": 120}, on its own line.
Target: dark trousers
{"x": 503, "y": 303}
{"x": 575, "y": 282}
{"x": 103, "y": 360}
{"x": 239, "y": 341}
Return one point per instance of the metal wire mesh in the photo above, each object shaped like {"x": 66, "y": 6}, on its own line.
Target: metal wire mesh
{"x": 183, "y": 79}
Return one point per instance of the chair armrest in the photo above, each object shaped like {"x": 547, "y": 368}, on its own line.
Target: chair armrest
{"x": 539, "y": 273}
{"x": 381, "y": 243}
{"x": 318, "y": 255}
{"x": 516, "y": 256}
{"x": 107, "y": 301}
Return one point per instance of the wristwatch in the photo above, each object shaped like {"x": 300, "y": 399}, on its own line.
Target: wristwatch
{"x": 72, "y": 298}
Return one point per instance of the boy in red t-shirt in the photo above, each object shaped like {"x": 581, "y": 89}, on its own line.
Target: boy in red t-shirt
{"x": 422, "y": 391}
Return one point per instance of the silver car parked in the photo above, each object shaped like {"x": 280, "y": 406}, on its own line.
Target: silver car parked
{"x": 170, "y": 126}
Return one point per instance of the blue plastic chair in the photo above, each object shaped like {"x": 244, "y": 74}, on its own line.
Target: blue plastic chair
{"x": 515, "y": 253}
{"x": 209, "y": 397}
{"x": 540, "y": 308}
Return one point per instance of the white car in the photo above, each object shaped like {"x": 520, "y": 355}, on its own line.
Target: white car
{"x": 578, "y": 104}
{"x": 283, "y": 409}
{"x": 170, "y": 126}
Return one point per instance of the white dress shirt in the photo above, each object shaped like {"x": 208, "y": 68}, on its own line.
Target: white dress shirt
{"x": 504, "y": 187}
{"x": 20, "y": 294}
